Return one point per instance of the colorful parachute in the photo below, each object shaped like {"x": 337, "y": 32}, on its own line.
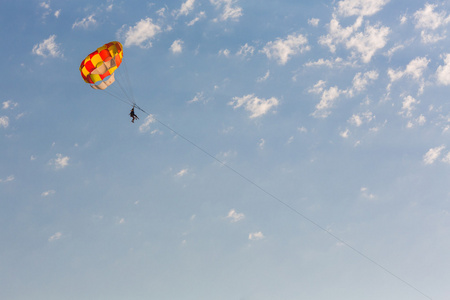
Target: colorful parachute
{"x": 98, "y": 67}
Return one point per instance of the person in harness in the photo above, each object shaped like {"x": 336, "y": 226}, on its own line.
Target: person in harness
{"x": 133, "y": 115}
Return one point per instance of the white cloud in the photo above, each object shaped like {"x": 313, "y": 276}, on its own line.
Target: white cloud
{"x": 234, "y": 216}
{"x": 427, "y": 18}
{"x": 60, "y": 161}
{"x": 313, "y": 22}
{"x": 360, "y": 7}
{"x": 186, "y": 8}
{"x": 177, "y": 47}
{"x": 430, "y": 38}
{"x": 420, "y": 120}
{"x": 198, "y": 97}
{"x": 255, "y": 236}
{"x": 142, "y": 33}
{"x": 47, "y": 48}
{"x": 9, "y": 104}
{"x": 432, "y": 154}
{"x": 403, "y": 19}
{"x": 366, "y": 194}
{"x": 443, "y": 72}
{"x": 429, "y": 21}
{"x": 45, "y": 5}
{"x": 446, "y": 158}
{"x": 360, "y": 81}
{"x": 359, "y": 119}
{"x": 55, "y": 237}
{"x": 345, "y": 134}
{"x": 4, "y": 121}
{"x": 394, "y": 49}
{"x": 318, "y": 87}
{"x": 7, "y": 179}
{"x": 161, "y": 12}
{"x": 408, "y": 106}
{"x": 302, "y": 129}
{"x": 224, "y": 52}
{"x": 230, "y": 11}
{"x": 329, "y": 96}
{"x": 414, "y": 69}
{"x": 182, "y": 173}
{"x": 48, "y": 10}
{"x": 225, "y": 156}
{"x": 327, "y": 100}
{"x": 146, "y": 125}
{"x": 255, "y": 105}
{"x": 48, "y": 193}
{"x": 367, "y": 43}
{"x": 337, "y": 34}
{"x": 283, "y": 49}
{"x": 246, "y": 50}
{"x": 85, "y": 23}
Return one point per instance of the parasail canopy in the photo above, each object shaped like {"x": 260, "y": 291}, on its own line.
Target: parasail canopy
{"x": 98, "y": 67}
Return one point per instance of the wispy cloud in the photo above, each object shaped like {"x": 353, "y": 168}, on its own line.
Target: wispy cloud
{"x": 234, "y": 216}
{"x": 48, "y": 193}
{"x": 256, "y": 106}
{"x": 327, "y": 100}
{"x": 230, "y": 9}
{"x": 86, "y": 22}
{"x": 408, "y": 105}
{"x": 198, "y": 97}
{"x": 47, "y": 48}
{"x": 146, "y": 124}
{"x": 7, "y": 179}
{"x": 55, "y": 237}
{"x": 263, "y": 78}
{"x": 246, "y": 50}
{"x": 9, "y": 104}
{"x": 199, "y": 16}
{"x": 359, "y": 119}
{"x": 255, "y": 236}
{"x": 4, "y": 121}
{"x": 313, "y": 22}
{"x": 185, "y": 8}
{"x": 182, "y": 173}
{"x": 361, "y": 81}
{"x": 432, "y": 155}
{"x": 366, "y": 194}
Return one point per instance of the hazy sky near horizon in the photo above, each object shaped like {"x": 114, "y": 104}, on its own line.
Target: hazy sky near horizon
{"x": 339, "y": 109}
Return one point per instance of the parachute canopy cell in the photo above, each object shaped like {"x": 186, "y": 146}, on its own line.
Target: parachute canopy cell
{"x": 98, "y": 67}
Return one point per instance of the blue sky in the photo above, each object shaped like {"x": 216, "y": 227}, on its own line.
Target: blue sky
{"x": 339, "y": 109}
